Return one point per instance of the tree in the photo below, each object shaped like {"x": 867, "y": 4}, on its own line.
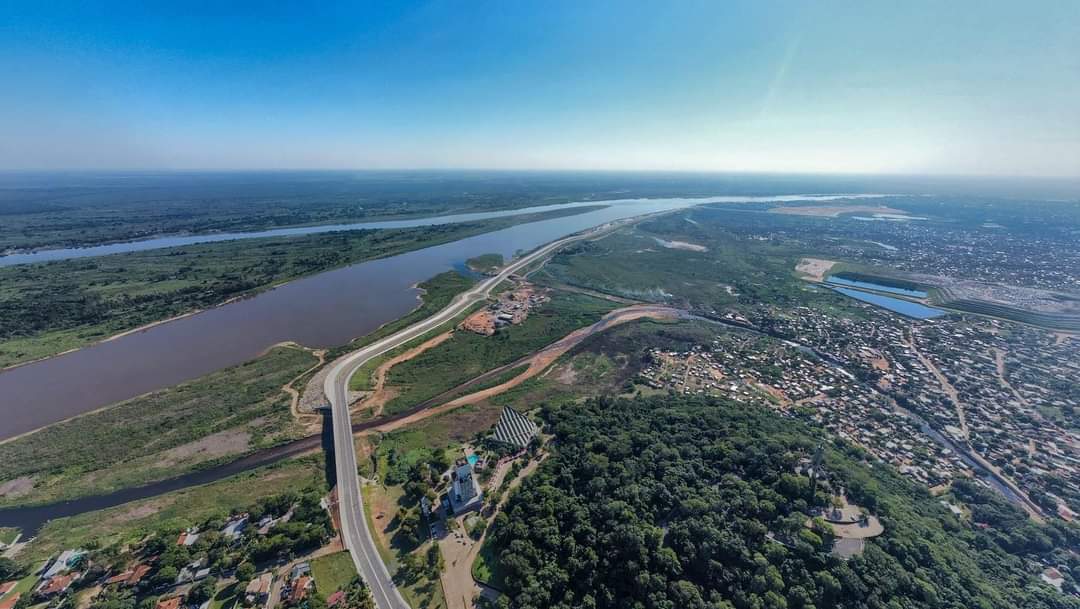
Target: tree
{"x": 166, "y": 576}
{"x": 412, "y": 566}
{"x": 9, "y": 569}
{"x": 410, "y": 528}
{"x": 245, "y": 572}
{"x": 203, "y": 591}
{"x": 358, "y": 596}
{"x": 435, "y": 560}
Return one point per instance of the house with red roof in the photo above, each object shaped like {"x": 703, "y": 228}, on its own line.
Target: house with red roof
{"x": 9, "y": 602}
{"x": 169, "y": 603}
{"x": 335, "y": 598}
{"x": 56, "y": 585}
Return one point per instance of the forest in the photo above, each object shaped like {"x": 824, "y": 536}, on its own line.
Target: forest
{"x": 683, "y": 502}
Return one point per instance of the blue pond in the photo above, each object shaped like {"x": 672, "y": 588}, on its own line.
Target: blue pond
{"x": 875, "y": 286}
{"x": 903, "y": 307}
{"x": 473, "y": 459}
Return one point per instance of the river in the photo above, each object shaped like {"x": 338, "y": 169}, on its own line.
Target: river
{"x": 323, "y": 310}
{"x": 142, "y": 245}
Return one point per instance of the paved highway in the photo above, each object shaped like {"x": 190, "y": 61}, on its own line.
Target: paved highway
{"x": 354, "y": 529}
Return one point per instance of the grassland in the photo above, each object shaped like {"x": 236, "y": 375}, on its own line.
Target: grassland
{"x": 8, "y": 535}
{"x": 399, "y": 451}
{"x": 468, "y": 355}
{"x": 161, "y": 434}
{"x": 485, "y": 263}
{"x": 54, "y": 307}
{"x": 486, "y": 568}
{"x": 332, "y": 572}
{"x": 733, "y": 272}
{"x": 175, "y": 510}
{"x": 438, "y": 292}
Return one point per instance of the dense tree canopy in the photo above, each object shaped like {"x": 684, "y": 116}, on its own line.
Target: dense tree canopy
{"x": 673, "y": 503}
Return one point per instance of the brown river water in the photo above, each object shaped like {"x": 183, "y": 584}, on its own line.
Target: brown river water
{"x": 323, "y": 310}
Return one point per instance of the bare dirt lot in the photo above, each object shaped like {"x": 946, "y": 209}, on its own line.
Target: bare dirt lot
{"x": 814, "y": 269}
{"x": 220, "y": 444}
{"x": 17, "y": 487}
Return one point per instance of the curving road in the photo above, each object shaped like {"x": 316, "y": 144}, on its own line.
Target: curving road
{"x": 354, "y": 529}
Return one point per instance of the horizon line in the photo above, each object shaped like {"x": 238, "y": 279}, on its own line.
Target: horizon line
{"x": 717, "y": 172}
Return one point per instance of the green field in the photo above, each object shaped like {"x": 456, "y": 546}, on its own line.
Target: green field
{"x": 8, "y": 535}
{"x": 176, "y": 510}
{"x": 486, "y": 568}
{"x": 162, "y": 434}
{"x": 431, "y": 439}
{"x": 468, "y": 355}
{"x": 332, "y": 572}
{"x": 419, "y": 590}
{"x": 53, "y": 307}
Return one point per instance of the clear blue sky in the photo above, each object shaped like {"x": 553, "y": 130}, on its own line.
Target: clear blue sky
{"x": 986, "y": 87}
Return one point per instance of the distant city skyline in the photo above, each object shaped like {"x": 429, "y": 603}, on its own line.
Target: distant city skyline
{"x": 963, "y": 88}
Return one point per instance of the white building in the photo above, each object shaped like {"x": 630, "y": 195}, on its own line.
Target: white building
{"x": 464, "y": 491}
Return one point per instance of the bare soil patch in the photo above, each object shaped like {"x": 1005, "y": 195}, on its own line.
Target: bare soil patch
{"x": 220, "y": 444}
{"x": 17, "y": 487}
{"x": 682, "y": 245}
{"x": 814, "y": 269}
{"x": 833, "y": 211}
{"x": 383, "y": 394}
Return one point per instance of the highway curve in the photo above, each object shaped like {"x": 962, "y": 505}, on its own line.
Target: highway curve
{"x": 354, "y": 529}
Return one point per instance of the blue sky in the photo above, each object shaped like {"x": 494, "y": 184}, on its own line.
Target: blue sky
{"x": 894, "y": 87}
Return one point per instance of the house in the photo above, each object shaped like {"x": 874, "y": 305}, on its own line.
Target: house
{"x": 190, "y": 572}
{"x": 1053, "y": 577}
{"x": 188, "y": 537}
{"x": 235, "y": 527}
{"x": 258, "y": 589}
{"x": 334, "y": 599}
{"x": 169, "y": 603}
{"x": 464, "y": 491}
{"x": 9, "y": 602}
{"x": 299, "y": 589}
{"x": 130, "y": 577}
{"x": 56, "y": 585}
{"x": 300, "y": 569}
{"x": 63, "y": 563}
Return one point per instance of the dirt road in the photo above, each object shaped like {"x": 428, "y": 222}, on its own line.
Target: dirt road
{"x": 381, "y": 394}
{"x": 946, "y": 386}
{"x": 541, "y": 360}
